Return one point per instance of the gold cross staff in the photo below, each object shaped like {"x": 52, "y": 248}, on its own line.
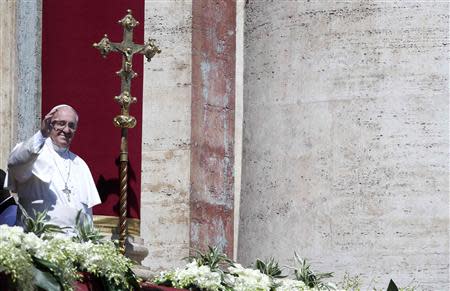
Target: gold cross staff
{"x": 128, "y": 48}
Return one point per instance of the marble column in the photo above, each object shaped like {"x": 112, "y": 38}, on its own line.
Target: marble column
{"x": 20, "y": 74}
{"x": 346, "y": 138}
{"x": 166, "y": 138}
{"x": 28, "y": 36}
{"x": 8, "y": 78}
{"x": 212, "y": 125}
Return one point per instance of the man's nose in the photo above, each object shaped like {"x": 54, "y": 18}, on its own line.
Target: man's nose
{"x": 66, "y": 129}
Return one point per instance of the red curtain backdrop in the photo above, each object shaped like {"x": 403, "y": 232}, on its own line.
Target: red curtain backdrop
{"x": 74, "y": 73}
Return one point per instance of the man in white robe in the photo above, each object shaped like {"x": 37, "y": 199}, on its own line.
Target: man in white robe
{"x": 46, "y": 175}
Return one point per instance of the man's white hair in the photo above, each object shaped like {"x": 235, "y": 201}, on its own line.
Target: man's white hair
{"x": 65, "y": 105}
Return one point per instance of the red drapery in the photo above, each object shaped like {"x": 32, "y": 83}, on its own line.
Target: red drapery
{"x": 73, "y": 72}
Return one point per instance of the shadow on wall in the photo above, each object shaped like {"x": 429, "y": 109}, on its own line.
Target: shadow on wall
{"x": 112, "y": 187}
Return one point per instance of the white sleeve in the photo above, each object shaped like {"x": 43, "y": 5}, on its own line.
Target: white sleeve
{"x": 93, "y": 198}
{"x": 22, "y": 159}
{"x": 26, "y": 151}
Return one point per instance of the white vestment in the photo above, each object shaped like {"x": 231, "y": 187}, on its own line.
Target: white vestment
{"x": 39, "y": 172}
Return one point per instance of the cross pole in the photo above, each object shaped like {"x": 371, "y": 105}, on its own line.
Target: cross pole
{"x": 125, "y": 121}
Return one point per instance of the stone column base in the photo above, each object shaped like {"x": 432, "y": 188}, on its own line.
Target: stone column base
{"x": 135, "y": 248}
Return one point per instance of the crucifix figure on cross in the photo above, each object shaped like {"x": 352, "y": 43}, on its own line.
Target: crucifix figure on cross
{"x": 124, "y": 121}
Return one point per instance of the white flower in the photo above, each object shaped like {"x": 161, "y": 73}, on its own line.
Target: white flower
{"x": 248, "y": 279}
{"x": 192, "y": 275}
{"x": 13, "y": 234}
{"x": 290, "y": 285}
{"x": 103, "y": 260}
{"x": 238, "y": 279}
{"x": 17, "y": 250}
{"x": 31, "y": 242}
{"x": 14, "y": 260}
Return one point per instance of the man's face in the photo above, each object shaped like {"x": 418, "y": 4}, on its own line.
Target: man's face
{"x": 64, "y": 125}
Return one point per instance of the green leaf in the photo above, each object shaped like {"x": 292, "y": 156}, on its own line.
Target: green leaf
{"x": 132, "y": 279}
{"x": 392, "y": 286}
{"x": 43, "y": 264}
{"x": 311, "y": 279}
{"x": 85, "y": 229}
{"x": 38, "y": 225}
{"x": 260, "y": 265}
{"x": 45, "y": 280}
{"x": 269, "y": 267}
{"x": 213, "y": 258}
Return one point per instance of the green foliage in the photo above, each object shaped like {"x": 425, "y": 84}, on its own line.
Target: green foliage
{"x": 44, "y": 277}
{"x": 213, "y": 258}
{"x": 211, "y": 261}
{"x": 130, "y": 278}
{"x": 311, "y": 279}
{"x": 15, "y": 262}
{"x": 190, "y": 277}
{"x": 39, "y": 224}
{"x": 105, "y": 262}
{"x": 392, "y": 286}
{"x": 205, "y": 272}
{"x": 38, "y": 259}
{"x": 270, "y": 268}
{"x": 350, "y": 283}
{"x": 85, "y": 230}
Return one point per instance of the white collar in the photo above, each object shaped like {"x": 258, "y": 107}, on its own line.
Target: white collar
{"x": 61, "y": 151}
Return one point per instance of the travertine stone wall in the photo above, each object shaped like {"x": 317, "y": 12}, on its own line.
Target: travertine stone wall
{"x": 29, "y": 91}
{"x": 20, "y": 57}
{"x": 8, "y": 78}
{"x": 238, "y": 118}
{"x": 346, "y": 131}
{"x": 166, "y": 135}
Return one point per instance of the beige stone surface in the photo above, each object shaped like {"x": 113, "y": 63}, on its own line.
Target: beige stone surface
{"x": 166, "y": 135}
{"x": 29, "y": 89}
{"x": 346, "y": 138}
{"x": 20, "y": 57}
{"x": 238, "y": 118}
{"x": 8, "y": 78}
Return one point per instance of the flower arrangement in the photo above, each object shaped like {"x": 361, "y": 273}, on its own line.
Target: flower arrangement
{"x": 246, "y": 279}
{"x": 192, "y": 276}
{"x": 42, "y": 257}
{"x": 53, "y": 261}
{"x": 213, "y": 271}
{"x": 236, "y": 278}
{"x": 15, "y": 261}
{"x": 56, "y": 256}
{"x": 105, "y": 262}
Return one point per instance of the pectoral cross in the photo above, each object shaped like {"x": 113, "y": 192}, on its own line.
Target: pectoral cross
{"x": 127, "y": 48}
{"x": 67, "y": 191}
